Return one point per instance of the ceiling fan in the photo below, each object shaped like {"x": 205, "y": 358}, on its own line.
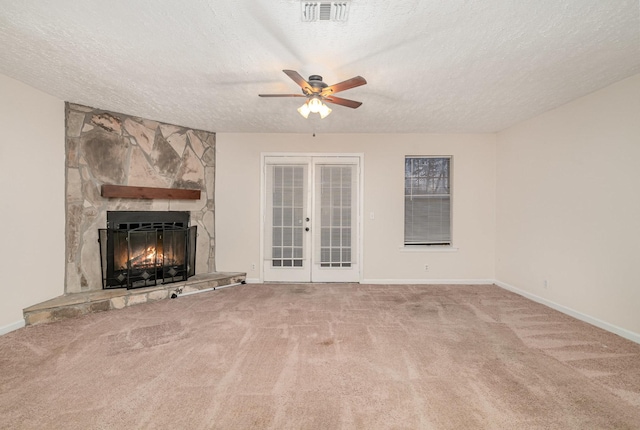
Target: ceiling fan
{"x": 318, "y": 92}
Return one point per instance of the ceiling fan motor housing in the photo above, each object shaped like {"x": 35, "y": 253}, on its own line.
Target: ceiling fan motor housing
{"x": 316, "y": 82}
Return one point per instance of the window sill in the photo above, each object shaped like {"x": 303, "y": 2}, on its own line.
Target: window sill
{"x": 426, "y": 248}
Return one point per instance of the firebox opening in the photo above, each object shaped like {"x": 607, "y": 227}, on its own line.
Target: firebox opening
{"x": 141, "y": 249}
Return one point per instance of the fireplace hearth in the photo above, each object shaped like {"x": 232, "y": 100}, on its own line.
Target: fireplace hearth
{"x": 146, "y": 248}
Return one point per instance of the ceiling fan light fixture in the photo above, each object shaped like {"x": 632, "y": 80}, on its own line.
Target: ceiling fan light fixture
{"x": 315, "y": 105}
{"x": 324, "y": 111}
{"x": 304, "y": 110}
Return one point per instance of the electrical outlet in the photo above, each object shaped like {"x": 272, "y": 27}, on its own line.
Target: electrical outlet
{"x": 253, "y": 266}
{"x": 546, "y": 283}
{"x": 426, "y": 267}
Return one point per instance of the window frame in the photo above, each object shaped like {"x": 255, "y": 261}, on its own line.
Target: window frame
{"x": 434, "y": 245}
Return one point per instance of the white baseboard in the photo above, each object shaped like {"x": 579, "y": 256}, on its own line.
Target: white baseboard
{"x": 408, "y": 281}
{"x": 11, "y": 327}
{"x": 429, "y": 281}
{"x": 627, "y": 334}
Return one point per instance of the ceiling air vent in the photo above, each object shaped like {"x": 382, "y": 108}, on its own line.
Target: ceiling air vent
{"x": 325, "y": 11}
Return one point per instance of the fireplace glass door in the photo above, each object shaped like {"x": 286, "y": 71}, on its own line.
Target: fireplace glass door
{"x": 141, "y": 254}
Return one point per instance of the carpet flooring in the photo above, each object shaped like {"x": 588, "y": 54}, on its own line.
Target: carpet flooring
{"x": 322, "y": 356}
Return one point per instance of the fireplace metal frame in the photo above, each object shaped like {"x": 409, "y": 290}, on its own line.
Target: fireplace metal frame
{"x": 151, "y": 227}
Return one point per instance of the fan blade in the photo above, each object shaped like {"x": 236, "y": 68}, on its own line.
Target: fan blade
{"x": 343, "y": 102}
{"x": 281, "y": 95}
{"x": 299, "y": 80}
{"x": 344, "y": 85}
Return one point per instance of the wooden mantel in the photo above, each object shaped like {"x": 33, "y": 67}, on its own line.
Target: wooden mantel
{"x": 132, "y": 192}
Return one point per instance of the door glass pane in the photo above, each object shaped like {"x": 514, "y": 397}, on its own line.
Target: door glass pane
{"x": 287, "y": 201}
{"x": 335, "y": 215}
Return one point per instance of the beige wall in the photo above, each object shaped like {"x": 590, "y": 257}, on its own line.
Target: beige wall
{"x": 238, "y": 201}
{"x": 568, "y": 207}
{"x": 553, "y": 198}
{"x": 32, "y": 199}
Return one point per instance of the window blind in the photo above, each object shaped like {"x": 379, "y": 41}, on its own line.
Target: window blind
{"x": 427, "y": 201}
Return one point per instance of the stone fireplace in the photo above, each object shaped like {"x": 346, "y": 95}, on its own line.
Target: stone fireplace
{"x": 104, "y": 147}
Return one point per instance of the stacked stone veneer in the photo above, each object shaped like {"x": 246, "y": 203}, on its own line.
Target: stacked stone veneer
{"x": 112, "y": 148}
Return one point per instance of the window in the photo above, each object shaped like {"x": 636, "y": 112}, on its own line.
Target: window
{"x": 427, "y": 201}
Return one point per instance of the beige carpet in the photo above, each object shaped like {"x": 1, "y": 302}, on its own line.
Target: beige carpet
{"x": 322, "y": 356}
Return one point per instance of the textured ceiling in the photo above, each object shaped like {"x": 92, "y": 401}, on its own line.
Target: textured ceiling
{"x": 431, "y": 65}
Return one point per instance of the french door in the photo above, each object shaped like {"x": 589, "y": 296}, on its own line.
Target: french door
{"x": 311, "y": 219}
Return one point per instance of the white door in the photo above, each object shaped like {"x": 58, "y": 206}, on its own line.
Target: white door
{"x": 311, "y": 219}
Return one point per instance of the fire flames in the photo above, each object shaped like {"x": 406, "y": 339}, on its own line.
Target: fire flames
{"x": 149, "y": 258}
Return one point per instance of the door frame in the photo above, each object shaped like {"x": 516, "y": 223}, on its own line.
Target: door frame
{"x": 325, "y": 155}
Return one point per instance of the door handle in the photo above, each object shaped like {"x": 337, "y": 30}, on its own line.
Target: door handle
{"x": 307, "y": 219}
{"x": 306, "y": 229}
